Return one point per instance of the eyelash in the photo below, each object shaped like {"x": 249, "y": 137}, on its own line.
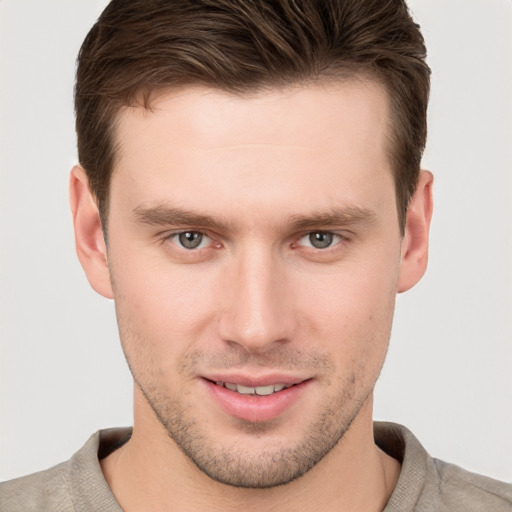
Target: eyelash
{"x": 336, "y": 240}
{"x": 173, "y": 238}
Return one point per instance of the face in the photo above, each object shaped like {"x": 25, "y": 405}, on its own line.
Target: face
{"x": 254, "y": 251}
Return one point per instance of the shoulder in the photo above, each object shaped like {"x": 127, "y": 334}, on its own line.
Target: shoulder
{"x": 46, "y": 490}
{"x": 469, "y": 491}
{"x": 77, "y": 485}
{"x": 431, "y": 485}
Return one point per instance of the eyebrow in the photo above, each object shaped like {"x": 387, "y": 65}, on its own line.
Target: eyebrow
{"x": 343, "y": 217}
{"x": 166, "y": 215}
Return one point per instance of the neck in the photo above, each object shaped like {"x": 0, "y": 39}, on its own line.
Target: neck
{"x": 151, "y": 473}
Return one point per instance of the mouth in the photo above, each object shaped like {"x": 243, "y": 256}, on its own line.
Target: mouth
{"x": 256, "y": 390}
{"x": 256, "y": 400}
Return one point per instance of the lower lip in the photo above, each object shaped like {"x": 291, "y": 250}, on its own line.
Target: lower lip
{"x": 255, "y": 408}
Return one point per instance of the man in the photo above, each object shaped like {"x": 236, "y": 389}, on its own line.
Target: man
{"x": 249, "y": 194}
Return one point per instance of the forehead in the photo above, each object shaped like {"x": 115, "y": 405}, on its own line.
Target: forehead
{"x": 319, "y": 137}
{"x": 200, "y": 114}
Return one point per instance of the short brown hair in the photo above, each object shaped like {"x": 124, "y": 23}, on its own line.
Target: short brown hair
{"x": 139, "y": 47}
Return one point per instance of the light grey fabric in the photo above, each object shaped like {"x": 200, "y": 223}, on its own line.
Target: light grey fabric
{"x": 73, "y": 486}
{"x": 425, "y": 484}
{"x": 431, "y": 485}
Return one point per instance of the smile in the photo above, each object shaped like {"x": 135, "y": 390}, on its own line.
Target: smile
{"x": 263, "y": 399}
{"x": 257, "y": 390}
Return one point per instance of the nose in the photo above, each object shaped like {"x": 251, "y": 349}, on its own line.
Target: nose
{"x": 257, "y": 313}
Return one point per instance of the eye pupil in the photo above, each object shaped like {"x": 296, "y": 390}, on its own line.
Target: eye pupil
{"x": 320, "y": 239}
{"x": 190, "y": 239}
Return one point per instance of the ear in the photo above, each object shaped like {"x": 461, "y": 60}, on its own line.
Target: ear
{"x": 90, "y": 244}
{"x": 415, "y": 242}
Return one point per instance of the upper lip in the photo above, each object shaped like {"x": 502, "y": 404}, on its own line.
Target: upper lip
{"x": 255, "y": 380}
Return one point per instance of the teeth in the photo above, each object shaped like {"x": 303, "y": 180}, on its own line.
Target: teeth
{"x": 258, "y": 390}
{"x": 244, "y": 390}
{"x": 265, "y": 390}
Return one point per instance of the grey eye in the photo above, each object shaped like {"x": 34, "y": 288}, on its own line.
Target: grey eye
{"x": 321, "y": 239}
{"x": 190, "y": 239}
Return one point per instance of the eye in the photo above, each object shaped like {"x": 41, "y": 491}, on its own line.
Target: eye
{"x": 320, "y": 239}
{"x": 191, "y": 239}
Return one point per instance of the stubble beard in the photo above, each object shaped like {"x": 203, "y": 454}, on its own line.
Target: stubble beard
{"x": 275, "y": 464}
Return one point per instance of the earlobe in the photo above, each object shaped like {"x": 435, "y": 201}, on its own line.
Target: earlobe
{"x": 89, "y": 241}
{"x": 415, "y": 242}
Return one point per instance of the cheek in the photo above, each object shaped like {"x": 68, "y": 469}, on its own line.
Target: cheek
{"x": 350, "y": 313}
{"x": 348, "y": 298}
{"x": 161, "y": 303}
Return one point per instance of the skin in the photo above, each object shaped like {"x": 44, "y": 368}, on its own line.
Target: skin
{"x": 257, "y": 177}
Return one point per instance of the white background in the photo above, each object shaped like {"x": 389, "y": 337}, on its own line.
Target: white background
{"x": 448, "y": 374}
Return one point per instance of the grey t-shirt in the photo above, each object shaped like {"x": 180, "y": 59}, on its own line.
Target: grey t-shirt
{"x": 425, "y": 484}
